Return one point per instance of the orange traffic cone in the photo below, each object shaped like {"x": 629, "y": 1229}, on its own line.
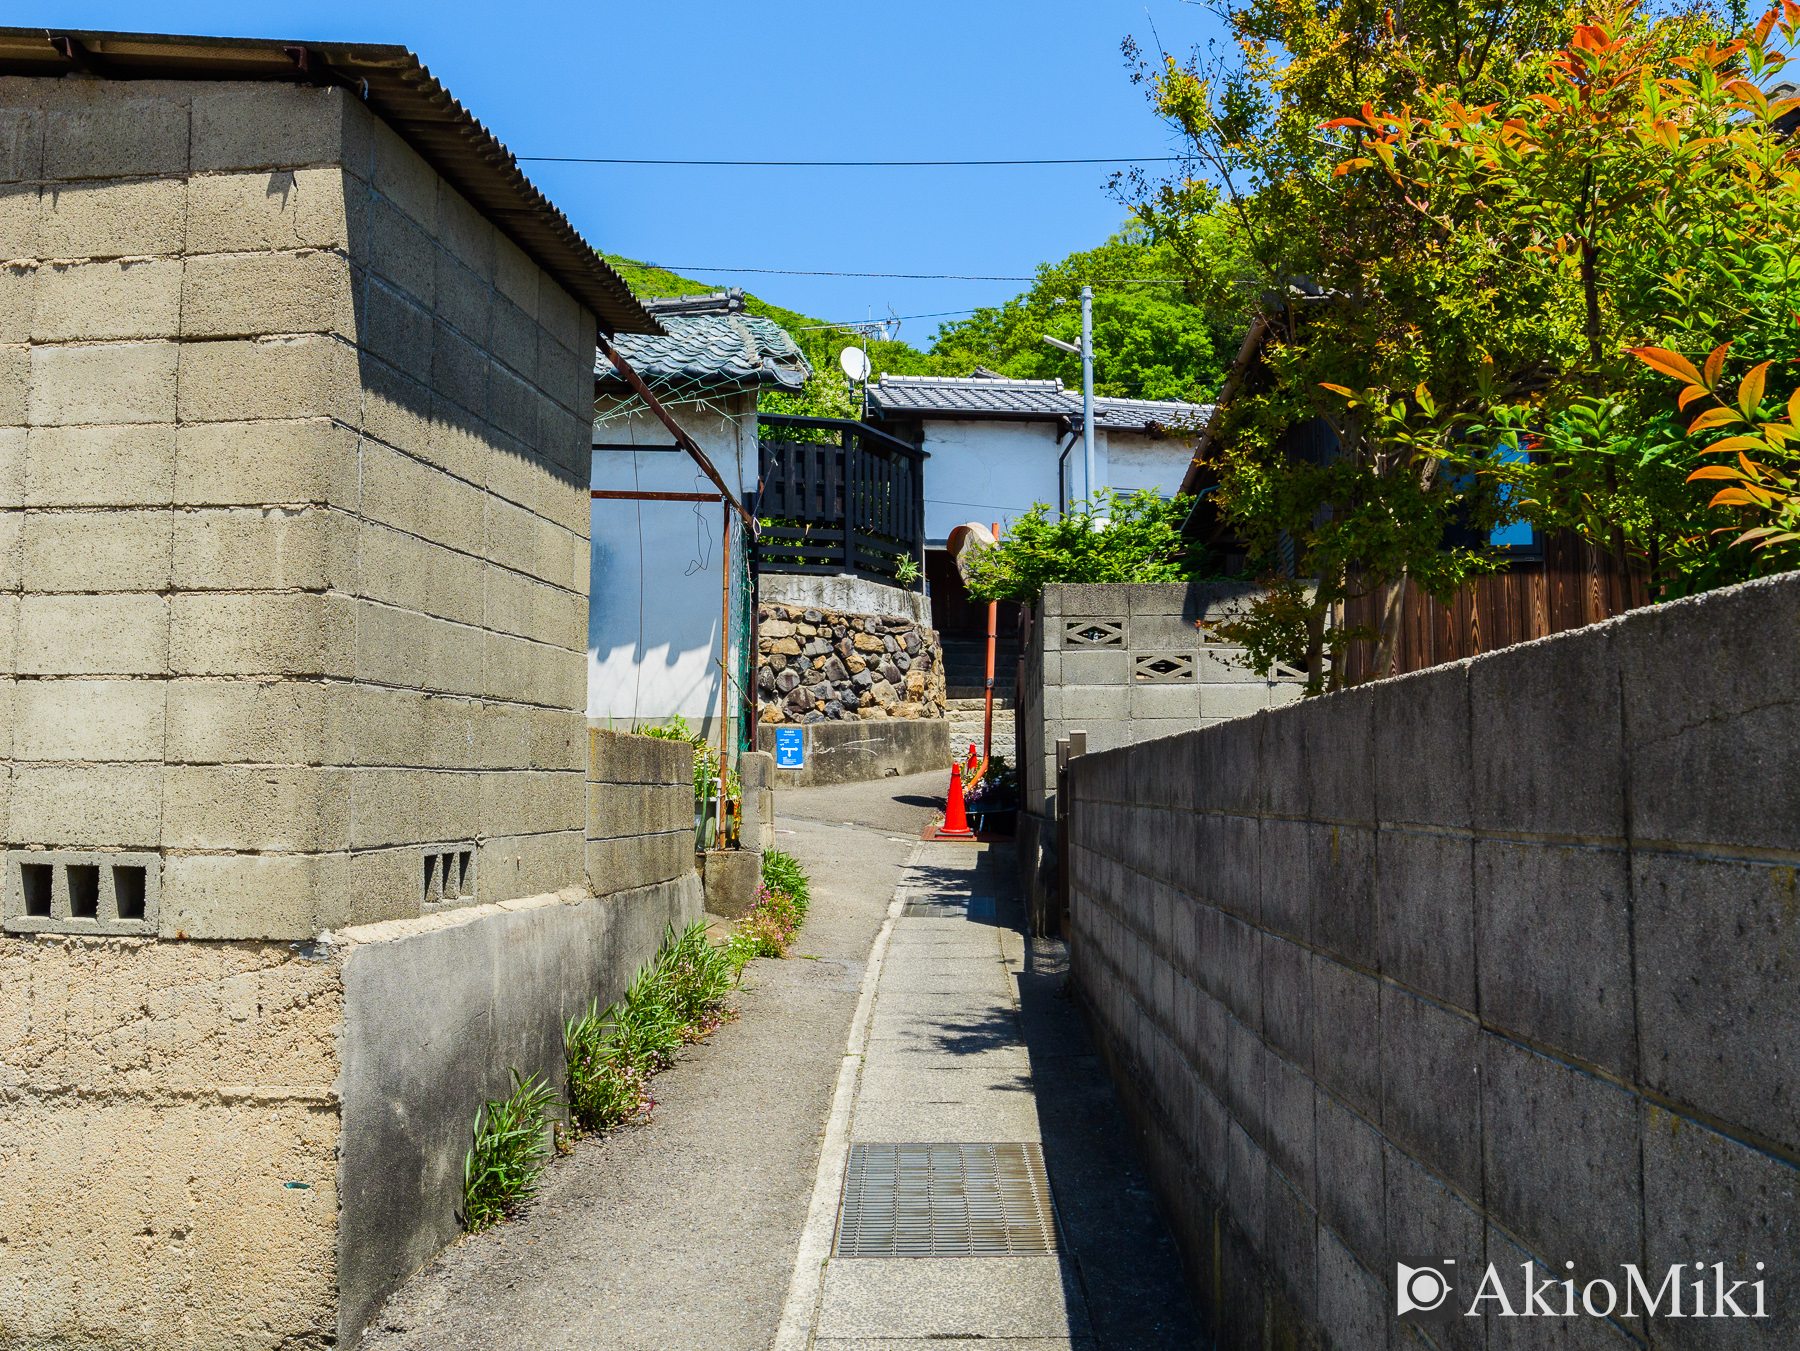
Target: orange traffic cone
{"x": 956, "y": 816}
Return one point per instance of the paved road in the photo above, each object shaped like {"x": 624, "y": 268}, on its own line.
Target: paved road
{"x": 683, "y": 1233}
{"x": 901, "y": 806}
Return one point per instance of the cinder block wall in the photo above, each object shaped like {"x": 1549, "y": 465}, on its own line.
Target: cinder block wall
{"x": 640, "y": 803}
{"x": 1493, "y": 962}
{"x": 1122, "y": 663}
{"x": 293, "y": 529}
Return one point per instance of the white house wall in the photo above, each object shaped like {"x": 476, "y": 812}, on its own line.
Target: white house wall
{"x": 655, "y": 610}
{"x": 994, "y": 471}
{"x": 1136, "y": 461}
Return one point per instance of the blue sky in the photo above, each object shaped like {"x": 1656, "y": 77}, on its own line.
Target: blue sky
{"x": 927, "y": 79}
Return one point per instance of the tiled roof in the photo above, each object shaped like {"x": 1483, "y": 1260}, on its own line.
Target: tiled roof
{"x": 1028, "y": 400}
{"x": 715, "y": 302}
{"x": 714, "y": 354}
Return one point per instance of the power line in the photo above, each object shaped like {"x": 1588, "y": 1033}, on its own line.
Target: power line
{"x": 845, "y": 163}
{"x": 907, "y": 276}
{"x": 802, "y": 272}
{"x": 876, "y": 323}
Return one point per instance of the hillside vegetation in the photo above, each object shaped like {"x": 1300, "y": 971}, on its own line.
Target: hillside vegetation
{"x": 1151, "y": 341}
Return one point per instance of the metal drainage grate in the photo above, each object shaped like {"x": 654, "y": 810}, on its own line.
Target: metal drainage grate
{"x": 946, "y": 1201}
{"x": 967, "y": 907}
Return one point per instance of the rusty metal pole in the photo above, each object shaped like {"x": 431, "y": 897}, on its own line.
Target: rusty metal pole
{"x": 724, "y": 677}
{"x": 987, "y": 742}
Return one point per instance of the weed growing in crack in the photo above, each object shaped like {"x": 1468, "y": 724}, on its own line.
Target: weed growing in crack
{"x": 679, "y": 997}
{"x": 501, "y": 1169}
{"x": 768, "y": 927}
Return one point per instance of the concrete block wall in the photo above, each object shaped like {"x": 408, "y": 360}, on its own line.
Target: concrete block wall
{"x": 1494, "y": 962}
{"x": 293, "y": 520}
{"x": 640, "y": 804}
{"x": 1123, "y": 663}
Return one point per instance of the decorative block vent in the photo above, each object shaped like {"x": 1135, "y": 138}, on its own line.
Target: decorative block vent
{"x": 1093, "y": 633}
{"x": 946, "y": 1200}
{"x": 64, "y": 891}
{"x": 449, "y": 873}
{"x": 1162, "y": 666}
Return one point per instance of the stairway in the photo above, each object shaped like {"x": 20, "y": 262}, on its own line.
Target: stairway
{"x": 966, "y": 721}
{"x": 965, "y": 665}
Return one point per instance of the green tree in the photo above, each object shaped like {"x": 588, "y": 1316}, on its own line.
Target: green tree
{"x": 1638, "y": 187}
{"x": 1151, "y": 340}
{"x": 1113, "y": 538}
{"x": 1461, "y": 274}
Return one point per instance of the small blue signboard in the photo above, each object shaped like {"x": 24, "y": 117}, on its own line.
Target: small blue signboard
{"x": 790, "y": 748}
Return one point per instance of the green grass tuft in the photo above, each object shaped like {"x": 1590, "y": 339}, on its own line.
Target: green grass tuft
{"x": 501, "y": 1169}
{"x": 679, "y": 997}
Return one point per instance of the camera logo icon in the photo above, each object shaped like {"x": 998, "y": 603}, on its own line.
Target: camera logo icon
{"x": 1422, "y": 1289}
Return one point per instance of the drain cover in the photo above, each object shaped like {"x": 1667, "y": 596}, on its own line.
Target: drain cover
{"x": 934, "y": 1200}
{"x": 969, "y": 907}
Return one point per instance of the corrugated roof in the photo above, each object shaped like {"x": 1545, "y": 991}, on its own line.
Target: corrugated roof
{"x": 713, "y": 354}
{"x": 1028, "y": 401}
{"x": 399, "y": 90}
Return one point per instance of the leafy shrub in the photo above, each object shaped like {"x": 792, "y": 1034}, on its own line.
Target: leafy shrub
{"x": 1112, "y": 538}
{"x": 501, "y": 1169}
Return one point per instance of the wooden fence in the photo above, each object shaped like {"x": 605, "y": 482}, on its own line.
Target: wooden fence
{"x": 844, "y": 498}
{"x": 1575, "y": 584}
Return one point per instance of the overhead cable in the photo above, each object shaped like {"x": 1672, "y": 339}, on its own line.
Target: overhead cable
{"x": 904, "y": 276}
{"x": 846, "y": 163}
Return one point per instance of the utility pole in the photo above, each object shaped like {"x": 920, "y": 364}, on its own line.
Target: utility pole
{"x": 1087, "y": 386}
{"x": 987, "y": 734}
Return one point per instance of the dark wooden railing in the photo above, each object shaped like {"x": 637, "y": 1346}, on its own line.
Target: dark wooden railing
{"x": 839, "y": 496}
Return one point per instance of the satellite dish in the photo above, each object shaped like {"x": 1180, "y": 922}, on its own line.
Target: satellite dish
{"x": 855, "y": 362}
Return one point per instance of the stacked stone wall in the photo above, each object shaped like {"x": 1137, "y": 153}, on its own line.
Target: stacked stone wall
{"x": 826, "y": 666}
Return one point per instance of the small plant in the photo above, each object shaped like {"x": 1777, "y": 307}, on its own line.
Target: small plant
{"x": 706, "y": 761}
{"x": 680, "y": 997}
{"x": 782, "y": 872}
{"x": 906, "y": 571}
{"x": 605, "y": 1087}
{"x": 768, "y": 927}
{"x": 501, "y": 1169}
{"x": 700, "y": 978}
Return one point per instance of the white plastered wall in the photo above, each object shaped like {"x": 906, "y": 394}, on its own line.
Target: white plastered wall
{"x": 991, "y": 471}
{"x": 657, "y": 592}
{"x": 1137, "y": 461}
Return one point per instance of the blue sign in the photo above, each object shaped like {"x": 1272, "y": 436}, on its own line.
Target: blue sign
{"x": 790, "y": 748}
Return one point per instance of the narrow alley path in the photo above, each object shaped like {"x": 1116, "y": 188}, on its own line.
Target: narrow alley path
{"x": 708, "y": 1226}
{"x": 978, "y": 1184}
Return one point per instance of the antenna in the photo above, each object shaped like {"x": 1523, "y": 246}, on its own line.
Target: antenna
{"x": 855, "y": 363}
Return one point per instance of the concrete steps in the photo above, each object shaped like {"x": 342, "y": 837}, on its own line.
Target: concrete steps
{"x": 966, "y": 718}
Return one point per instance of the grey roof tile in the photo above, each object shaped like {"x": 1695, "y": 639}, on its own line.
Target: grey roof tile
{"x": 720, "y": 353}
{"x": 1028, "y": 400}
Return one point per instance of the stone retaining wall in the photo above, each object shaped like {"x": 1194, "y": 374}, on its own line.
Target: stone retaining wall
{"x": 827, "y": 666}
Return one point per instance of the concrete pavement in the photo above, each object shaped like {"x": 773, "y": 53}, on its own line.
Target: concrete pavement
{"x": 712, "y": 1226}
{"x": 968, "y": 1077}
